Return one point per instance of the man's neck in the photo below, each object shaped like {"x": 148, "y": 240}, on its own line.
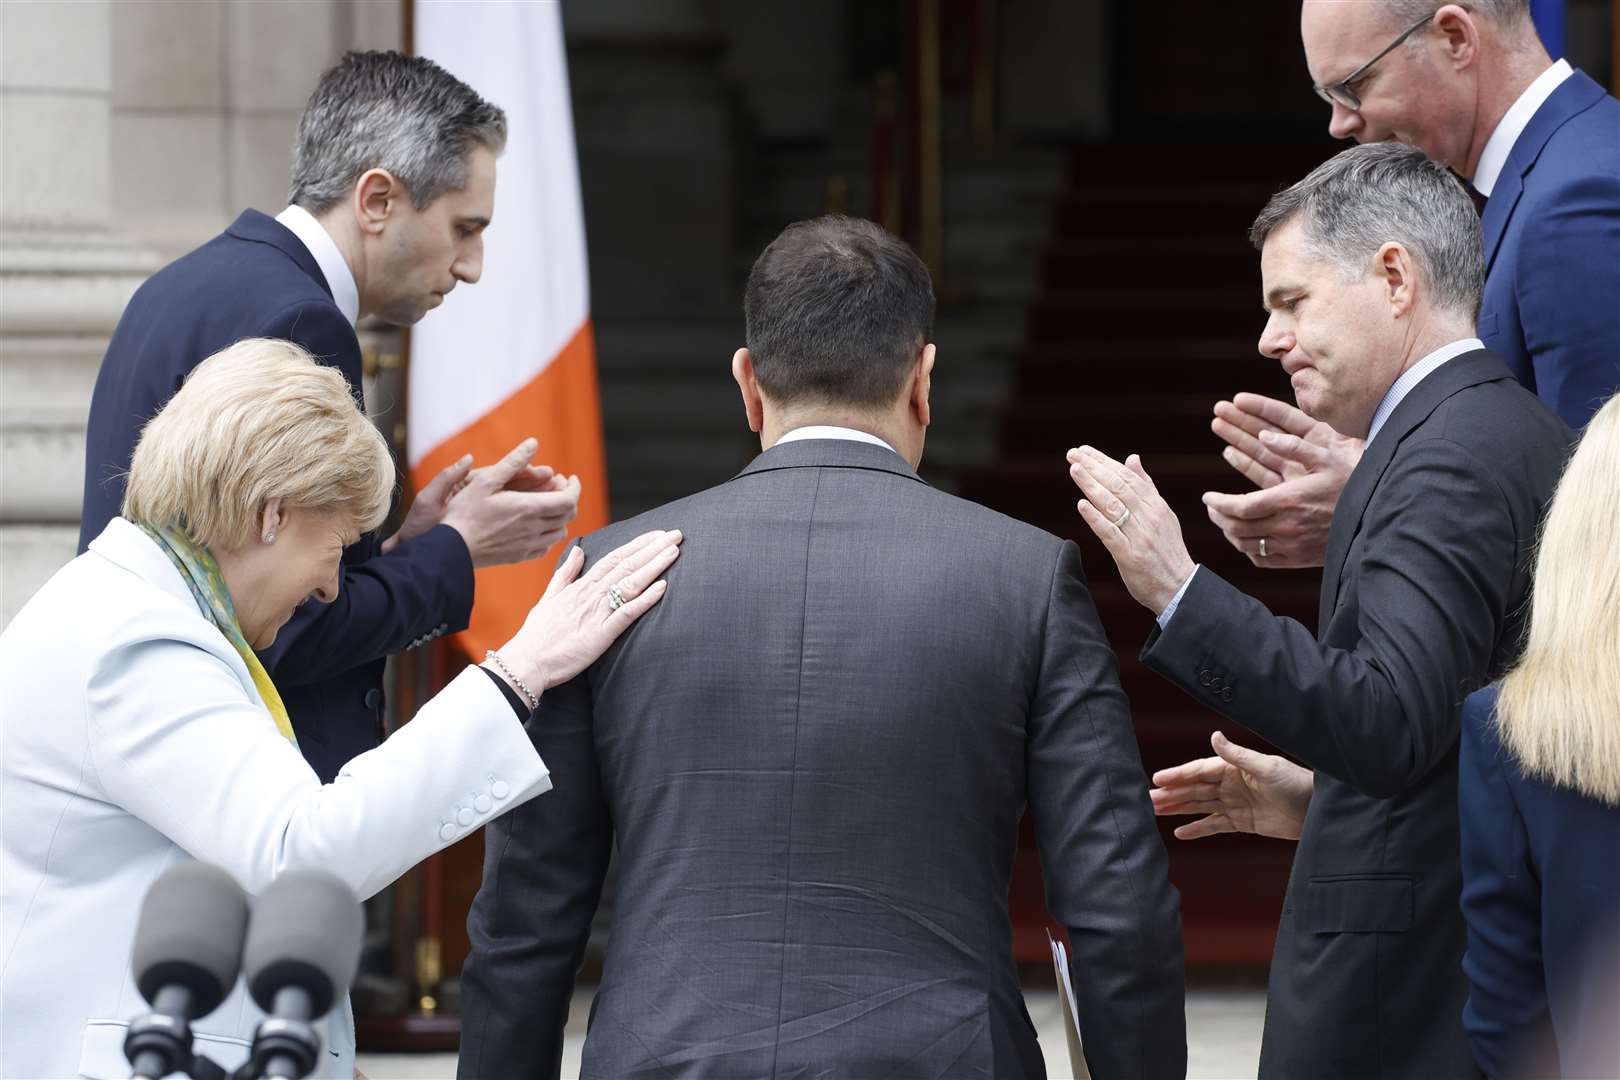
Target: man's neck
{"x": 1435, "y": 333}
{"x": 339, "y": 225}
{"x": 882, "y": 426}
{"x": 1516, "y": 69}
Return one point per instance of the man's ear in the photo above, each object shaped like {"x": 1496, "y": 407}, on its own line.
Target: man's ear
{"x": 376, "y": 196}
{"x": 922, "y": 381}
{"x": 1398, "y": 276}
{"x": 1458, "y": 35}
{"x": 742, "y": 369}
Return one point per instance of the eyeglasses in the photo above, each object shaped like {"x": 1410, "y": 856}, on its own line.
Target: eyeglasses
{"x": 1341, "y": 94}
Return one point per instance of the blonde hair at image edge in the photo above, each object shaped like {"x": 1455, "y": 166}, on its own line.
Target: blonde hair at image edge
{"x": 258, "y": 420}
{"x": 1559, "y": 709}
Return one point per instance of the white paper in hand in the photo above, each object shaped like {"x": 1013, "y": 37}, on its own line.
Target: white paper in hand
{"x": 1071, "y": 1021}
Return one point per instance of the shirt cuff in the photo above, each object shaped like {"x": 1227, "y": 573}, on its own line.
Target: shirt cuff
{"x": 519, "y": 706}
{"x": 1169, "y": 611}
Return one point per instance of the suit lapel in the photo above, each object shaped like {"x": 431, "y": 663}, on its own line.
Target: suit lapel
{"x": 1459, "y": 373}
{"x": 1498, "y": 212}
{"x": 1573, "y": 96}
{"x": 263, "y": 229}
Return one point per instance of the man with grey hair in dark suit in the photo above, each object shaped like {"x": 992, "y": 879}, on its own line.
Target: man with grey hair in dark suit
{"x": 815, "y": 753}
{"x": 1371, "y": 278}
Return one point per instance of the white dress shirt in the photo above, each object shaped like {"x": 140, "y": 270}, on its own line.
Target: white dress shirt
{"x": 339, "y": 278}
{"x": 832, "y": 431}
{"x": 1514, "y": 121}
{"x": 1392, "y": 397}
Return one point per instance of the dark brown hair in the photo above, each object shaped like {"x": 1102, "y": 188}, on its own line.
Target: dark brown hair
{"x": 836, "y": 310}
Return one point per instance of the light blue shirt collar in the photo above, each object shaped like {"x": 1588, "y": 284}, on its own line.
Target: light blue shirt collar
{"x": 339, "y": 278}
{"x": 1414, "y": 375}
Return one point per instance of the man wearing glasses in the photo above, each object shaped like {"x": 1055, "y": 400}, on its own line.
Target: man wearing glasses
{"x": 1473, "y": 87}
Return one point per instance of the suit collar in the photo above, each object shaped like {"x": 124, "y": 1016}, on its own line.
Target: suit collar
{"x": 263, "y": 229}
{"x": 830, "y": 453}
{"x": 126, "y": 546}
{"x": 1457, "y": 374}
{"x": 1501, "y": 142}
{"x": 334, "y": 268}
{"x": 1573, "y": 96}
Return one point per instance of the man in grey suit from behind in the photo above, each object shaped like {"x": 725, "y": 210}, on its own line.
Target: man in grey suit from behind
{"x": 815, "y": 752}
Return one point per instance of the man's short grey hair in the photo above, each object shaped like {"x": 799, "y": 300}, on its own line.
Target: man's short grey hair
{"x": 1357, "y": 201}
{"x": 1507, "y": 13}
{"x": 386, "y": 110}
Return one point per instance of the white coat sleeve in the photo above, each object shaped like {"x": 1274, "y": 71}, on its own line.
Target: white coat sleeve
{"x": 176, "y": 741}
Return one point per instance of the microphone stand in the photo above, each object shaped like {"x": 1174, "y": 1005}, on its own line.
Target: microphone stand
{"x": 159, "y": 1043}
{"x": 286, "y": 1046}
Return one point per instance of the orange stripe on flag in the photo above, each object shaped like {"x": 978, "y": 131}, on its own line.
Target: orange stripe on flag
{"x": 560, "y": 406}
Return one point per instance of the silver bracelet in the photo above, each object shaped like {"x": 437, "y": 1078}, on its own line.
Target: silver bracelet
{"x": 534, "y": 699}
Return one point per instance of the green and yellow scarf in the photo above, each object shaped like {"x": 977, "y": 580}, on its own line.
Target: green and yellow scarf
{"x": 201, "y": 575}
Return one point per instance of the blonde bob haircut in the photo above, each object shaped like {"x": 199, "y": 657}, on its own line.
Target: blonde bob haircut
{"x": 1559, "y": 708}
{"x": 256, "y": 421}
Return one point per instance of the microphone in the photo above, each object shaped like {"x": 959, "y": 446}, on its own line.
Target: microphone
{"x": 302, "y": 951}
{"x": 188, "y": 949}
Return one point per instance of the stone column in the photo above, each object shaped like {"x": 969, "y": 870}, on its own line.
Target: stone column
{"x": 65, "y": 275}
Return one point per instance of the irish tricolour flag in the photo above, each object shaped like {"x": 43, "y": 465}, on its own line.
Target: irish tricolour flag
{"x": 513, "y": 356}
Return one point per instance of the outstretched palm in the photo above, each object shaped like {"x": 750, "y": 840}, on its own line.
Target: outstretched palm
{"x": 1238, "y": 790}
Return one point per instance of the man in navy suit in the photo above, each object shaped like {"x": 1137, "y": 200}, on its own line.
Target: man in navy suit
{"x": 1474, "y": 88}
{"x": 393, "y": 184}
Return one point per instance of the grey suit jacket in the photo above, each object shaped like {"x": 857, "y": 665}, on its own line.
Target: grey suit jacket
{"x": 1423, "y": 595}
{"x": 814, "y": 754}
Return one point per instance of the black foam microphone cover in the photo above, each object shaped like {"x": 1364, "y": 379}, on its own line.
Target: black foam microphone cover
{"x": 190, "y": 934}
{"x": 306, "y": 933}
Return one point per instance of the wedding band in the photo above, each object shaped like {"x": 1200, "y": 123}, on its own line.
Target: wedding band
{"x": 615, "y": 597}
{"x": 1263, "y": 551}
{"x": 1119, "y": 522}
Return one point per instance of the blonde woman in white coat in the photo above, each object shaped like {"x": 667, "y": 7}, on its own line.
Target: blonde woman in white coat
{"x": 139, "y": 728}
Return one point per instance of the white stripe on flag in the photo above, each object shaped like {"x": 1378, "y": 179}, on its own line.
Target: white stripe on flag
{"x": 489, "y": 339}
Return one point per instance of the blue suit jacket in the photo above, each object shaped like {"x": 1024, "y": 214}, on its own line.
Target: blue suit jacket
{"x": 1552, "y": 253}
{"x": 256, "y": 279}
{"x": 1540, "y": 879}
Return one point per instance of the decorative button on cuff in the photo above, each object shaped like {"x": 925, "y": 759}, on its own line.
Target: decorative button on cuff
{"x": 447, "y": 831}
{"x": 500, "y": 789}
{"x": 464, "y": 817}
{"x": 482, "y": 804}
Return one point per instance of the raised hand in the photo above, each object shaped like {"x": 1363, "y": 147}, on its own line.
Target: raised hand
{"x": 430, "y": 504}
{"x": 1124, "y": 508}
{"x": 1300, "y": 466}
{"x": 1237, "y": 790}
{"x": 512, "y": 511}
{"x": 578, "y": 617}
